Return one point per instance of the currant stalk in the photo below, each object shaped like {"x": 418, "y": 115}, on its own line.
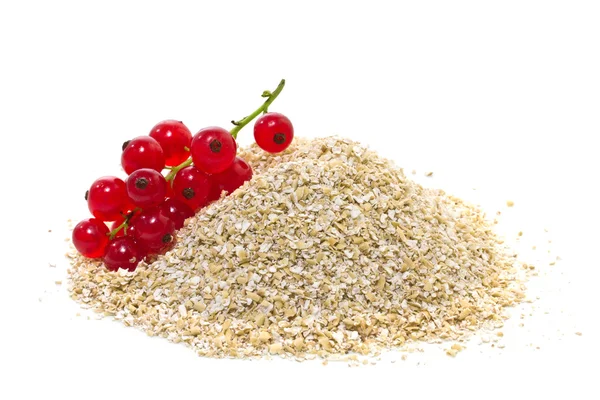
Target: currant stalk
{"x": 271, "y": 96}
{"x": 113, "y": 233}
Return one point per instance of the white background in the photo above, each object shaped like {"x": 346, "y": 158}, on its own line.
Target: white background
{"x": 500, "y": 97}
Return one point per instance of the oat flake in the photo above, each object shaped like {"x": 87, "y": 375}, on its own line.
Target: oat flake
{"x": 329, "y": 250}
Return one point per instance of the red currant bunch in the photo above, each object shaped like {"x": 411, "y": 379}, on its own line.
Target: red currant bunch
{"x": 171, "y": 175}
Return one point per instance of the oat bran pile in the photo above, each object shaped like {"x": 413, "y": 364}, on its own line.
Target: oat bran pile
{"x": 329, "y": 250}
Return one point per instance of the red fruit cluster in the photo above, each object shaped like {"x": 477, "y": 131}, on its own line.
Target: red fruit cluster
{"x": 171, "y": 176}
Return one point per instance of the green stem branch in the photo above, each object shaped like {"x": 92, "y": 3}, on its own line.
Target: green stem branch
{"x": 123, "y": 225}
{"x": 271, "y": 96}
{"x": 175, "y": 170}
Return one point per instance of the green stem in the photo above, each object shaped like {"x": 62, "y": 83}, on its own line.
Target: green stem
{"x": 263, "y": 108}
{"x": 271, "y": 96}
{"x": 176, "y": 169}
{"x": 123, "y": 225}
{"x": 114, "y": 232}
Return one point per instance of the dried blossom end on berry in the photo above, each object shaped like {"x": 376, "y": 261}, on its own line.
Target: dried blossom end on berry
{"x": 215, "y": 146}
{"x": 141, "y": 183}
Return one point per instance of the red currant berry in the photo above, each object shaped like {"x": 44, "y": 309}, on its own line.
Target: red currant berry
{"x": 215, "y": 190}
{"x": 213, "y": 149}
{"x": 175, "y": 139}
{"x": 177, "y": 211}
{"x": 107, "y": 198}
{"x": 123, "y": 252}
{"x": 230, "y": 179}
{"x": 273, "y": 132}
{"x": 169, "y": 189}
{"x": 152, "y": 230}
{"x": 90, "y": 237}
{"x": 191, "y": 186}
{"x": 146, "y": 187}
{"x": 142, "y": 152}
